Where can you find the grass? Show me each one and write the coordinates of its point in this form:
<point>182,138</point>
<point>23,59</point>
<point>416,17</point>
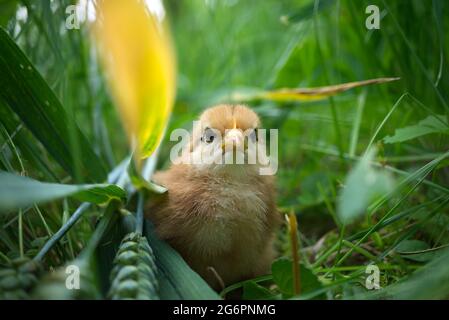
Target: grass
<point>226,47</point>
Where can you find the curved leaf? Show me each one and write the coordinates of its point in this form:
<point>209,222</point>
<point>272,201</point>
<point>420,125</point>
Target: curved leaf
<point>282,270</point>
<point>309,94</point>
<point>138,56</point>
<point>19,192</point>
<point>431,124</point>
<point>254,291</point>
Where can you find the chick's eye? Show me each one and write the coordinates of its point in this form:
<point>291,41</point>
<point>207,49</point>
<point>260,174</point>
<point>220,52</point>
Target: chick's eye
<point>208,136</point>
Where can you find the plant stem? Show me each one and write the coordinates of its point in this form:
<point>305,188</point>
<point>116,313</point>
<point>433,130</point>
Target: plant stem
<point>62,231</point>
<point>293,231</point>
<point>240,284</point>
<point>21,233</point>
<point>359,250</point>
<point>139,213</point>
<point>104,225</point>
<point>356,268</point>
<point>357,123</point>
<point>384,121</point>
<point>4,257</point>
<point>326,76</point>
<point>114,176</point>
<point>47,228</point>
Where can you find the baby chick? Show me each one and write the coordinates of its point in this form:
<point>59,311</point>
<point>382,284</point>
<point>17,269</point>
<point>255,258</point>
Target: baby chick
<point>221,218</point>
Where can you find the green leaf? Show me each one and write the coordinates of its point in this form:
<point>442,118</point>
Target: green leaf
<point>99,193</point>
<point>428,282</point>
<point>140,182</point>
<point>283,277</point>
<point>416,250</point>
<point>431,124</point>
<point>362,186</point>
<point>25,91</point>
<point>19,192</point>
<point>176,279</point>
<point>411,245</point>
<point>254,291</point>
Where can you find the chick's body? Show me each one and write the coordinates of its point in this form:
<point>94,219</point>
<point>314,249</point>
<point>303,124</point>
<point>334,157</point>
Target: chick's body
<point>220,217</point>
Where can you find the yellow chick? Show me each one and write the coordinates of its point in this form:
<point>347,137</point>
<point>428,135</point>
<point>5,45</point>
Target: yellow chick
<point>220,217</point>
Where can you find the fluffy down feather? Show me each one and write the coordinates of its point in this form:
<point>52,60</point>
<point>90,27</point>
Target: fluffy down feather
<point>221,218</point>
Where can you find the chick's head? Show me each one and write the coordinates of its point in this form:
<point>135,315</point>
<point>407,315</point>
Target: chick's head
<point>226,137</point>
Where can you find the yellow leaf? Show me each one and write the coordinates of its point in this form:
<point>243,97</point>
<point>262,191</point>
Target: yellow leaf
<point>310,94</point>
<point>136,51</point>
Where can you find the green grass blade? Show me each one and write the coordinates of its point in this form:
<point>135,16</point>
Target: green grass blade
<point>426,283</point>
<point>29,96</point>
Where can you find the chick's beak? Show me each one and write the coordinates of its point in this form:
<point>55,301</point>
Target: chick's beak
<point>234,138</point>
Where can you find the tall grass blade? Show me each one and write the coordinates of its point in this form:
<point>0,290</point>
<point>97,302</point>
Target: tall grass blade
<point>28,95</point>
